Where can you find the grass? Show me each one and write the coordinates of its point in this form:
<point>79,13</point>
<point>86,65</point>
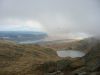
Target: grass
<point>17,59</point>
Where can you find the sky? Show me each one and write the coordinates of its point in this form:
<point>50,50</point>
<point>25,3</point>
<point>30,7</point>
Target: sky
<point>51,16</point>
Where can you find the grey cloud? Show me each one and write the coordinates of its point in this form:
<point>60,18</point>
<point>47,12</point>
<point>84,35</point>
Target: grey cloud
<point>57,16</point>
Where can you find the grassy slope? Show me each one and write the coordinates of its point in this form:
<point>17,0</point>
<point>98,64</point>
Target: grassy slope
<point>19,59</point>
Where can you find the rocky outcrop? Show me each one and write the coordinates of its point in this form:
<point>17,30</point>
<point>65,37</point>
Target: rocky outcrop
<point>92,62</point>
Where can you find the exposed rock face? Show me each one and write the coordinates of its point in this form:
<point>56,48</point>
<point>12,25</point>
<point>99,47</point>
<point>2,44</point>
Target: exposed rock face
<point>92,59</point>
<point>95,73</point>
<point>92,62</point>
<point>55,73</point>
<point>80,71</point>
<point>61,67</point>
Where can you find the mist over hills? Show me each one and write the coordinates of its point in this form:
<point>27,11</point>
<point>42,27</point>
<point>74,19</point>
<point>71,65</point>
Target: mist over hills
<point>21,36</point>
<point>49,37</point>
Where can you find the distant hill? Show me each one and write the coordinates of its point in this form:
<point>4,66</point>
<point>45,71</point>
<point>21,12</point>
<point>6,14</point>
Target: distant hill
<point>84,45</point>
<point>22,36</point>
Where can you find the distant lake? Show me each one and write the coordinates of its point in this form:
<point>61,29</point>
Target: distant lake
<point>70,53</point>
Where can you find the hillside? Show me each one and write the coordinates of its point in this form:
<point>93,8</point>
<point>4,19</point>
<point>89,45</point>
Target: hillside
<point>84,45</point>
<point>86,65</point>
<point>19,59</point>
<point>29,59</point>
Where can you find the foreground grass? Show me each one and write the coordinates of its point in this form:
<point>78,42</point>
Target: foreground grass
<point>18,59</point>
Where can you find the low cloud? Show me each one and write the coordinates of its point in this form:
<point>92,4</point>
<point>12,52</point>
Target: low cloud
<point>20,25</point>
<point>52,16</point>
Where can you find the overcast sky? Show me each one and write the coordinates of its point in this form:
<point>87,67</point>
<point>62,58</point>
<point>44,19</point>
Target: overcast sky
<point>52,16</point>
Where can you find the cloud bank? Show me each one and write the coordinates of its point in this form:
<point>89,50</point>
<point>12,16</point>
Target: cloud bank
<point>52,16</point>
